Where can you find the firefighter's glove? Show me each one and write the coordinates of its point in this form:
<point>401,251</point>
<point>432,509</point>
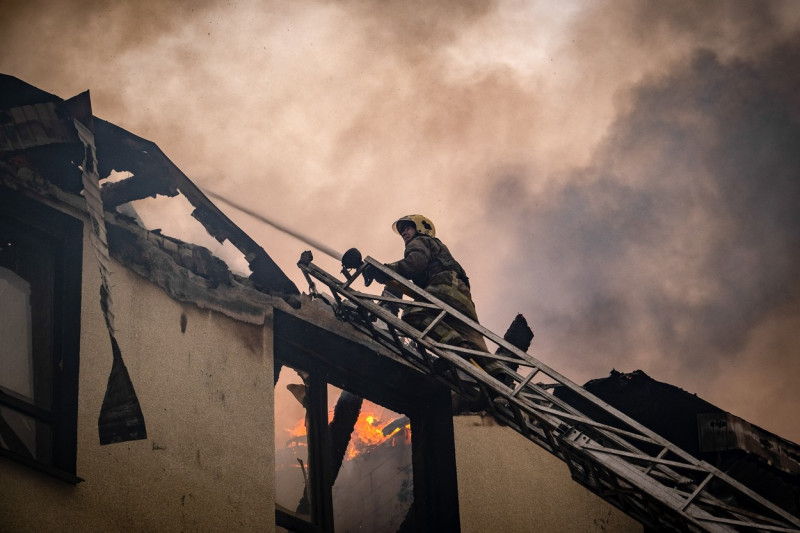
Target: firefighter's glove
<point>306,258</point>
<point>372,273</point>
<point>352,258</point>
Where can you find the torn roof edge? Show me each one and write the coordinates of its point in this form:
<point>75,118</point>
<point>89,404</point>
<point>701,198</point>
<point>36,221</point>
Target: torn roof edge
<point>154,173</point>
<point>189,273</point>
<point>118,150</point>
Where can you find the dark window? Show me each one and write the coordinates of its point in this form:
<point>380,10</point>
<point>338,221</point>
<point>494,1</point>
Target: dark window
<point>40,280</point>
<point>362,443</point>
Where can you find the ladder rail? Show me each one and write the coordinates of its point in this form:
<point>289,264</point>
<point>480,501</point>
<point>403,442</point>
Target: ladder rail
<point>567,411</point>
<point>526,360</point>
<point>607,451</point>
<point>575,388</point>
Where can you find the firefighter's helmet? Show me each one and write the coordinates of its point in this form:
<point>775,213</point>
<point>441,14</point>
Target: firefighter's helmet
<point>422,223</point>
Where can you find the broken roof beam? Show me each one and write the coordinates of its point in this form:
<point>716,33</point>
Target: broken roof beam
<point>122,151</point>
<point>154,173</point>
<point>134,188</point>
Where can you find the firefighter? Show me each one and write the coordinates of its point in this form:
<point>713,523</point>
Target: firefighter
<point>430,265</point>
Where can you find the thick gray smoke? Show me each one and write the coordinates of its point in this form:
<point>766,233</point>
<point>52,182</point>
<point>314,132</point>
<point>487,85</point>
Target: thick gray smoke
<point>677,249</point>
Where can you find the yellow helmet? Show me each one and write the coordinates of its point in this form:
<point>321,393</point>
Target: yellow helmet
<point>422,223</point>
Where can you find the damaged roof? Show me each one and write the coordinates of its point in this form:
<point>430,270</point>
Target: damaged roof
<point>761,460</point>
<point>39,147</point>
<point>39,156</point>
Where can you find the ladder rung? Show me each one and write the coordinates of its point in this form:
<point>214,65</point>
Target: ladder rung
<point>433,324</point>
<point>697,491</point>
<point>525,381</point>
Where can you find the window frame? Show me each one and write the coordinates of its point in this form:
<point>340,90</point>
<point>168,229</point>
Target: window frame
<point>332,359</point>
<point>64,236</point>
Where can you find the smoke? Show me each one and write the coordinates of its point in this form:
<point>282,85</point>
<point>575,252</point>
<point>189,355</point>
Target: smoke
<point>678,246</point>
<point>622,172</point>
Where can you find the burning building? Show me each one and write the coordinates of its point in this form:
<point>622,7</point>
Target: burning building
<point>144,386</point>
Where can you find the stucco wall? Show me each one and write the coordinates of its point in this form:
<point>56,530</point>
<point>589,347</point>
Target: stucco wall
<point>507,483</point>
<point>206,395</point>
<point>204,382</point>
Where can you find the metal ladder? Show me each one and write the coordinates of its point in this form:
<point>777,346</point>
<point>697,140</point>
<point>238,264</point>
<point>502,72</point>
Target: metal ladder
<point>623,462</point>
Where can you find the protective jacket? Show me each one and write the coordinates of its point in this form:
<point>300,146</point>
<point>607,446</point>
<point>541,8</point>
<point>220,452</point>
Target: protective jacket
<point>428,263</point>
<point>426,260</point>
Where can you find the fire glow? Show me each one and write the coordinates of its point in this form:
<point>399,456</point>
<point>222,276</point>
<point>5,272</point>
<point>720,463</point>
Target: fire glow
<point>367,434</point>
<point>299,430</point>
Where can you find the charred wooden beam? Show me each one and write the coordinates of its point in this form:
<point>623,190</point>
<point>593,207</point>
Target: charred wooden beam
<point>396,424</point>
<point>520,335</point>
<point>345,416</point>
<point>135,188</point>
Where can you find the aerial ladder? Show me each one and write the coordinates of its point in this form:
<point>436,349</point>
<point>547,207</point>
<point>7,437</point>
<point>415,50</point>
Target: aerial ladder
<point>623,462</point>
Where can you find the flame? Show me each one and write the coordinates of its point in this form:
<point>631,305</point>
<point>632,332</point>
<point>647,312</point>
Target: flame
<point>299,430</point>
<point>368,434</point>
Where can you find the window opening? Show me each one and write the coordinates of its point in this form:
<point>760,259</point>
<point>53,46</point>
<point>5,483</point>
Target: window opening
<point>374,488</point>
<point>292,482</point>
<point>16,357</point>
<point>343,455</point>
<point>332,371</point>
<point>26,309</point>
<point>40,280</point>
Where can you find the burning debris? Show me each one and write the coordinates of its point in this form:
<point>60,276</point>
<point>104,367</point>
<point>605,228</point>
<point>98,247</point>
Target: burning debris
<point>370,458</point>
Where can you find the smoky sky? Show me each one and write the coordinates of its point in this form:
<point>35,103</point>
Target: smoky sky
<point>624,173</point>
<point>681,239</point>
